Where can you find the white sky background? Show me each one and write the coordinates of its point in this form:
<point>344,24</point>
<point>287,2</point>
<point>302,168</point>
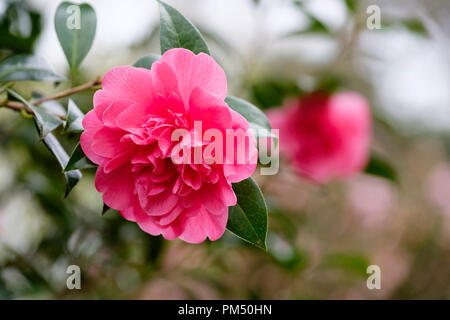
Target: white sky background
<point>411,73</point>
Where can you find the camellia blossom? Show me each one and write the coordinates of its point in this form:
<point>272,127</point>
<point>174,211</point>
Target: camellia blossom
<point>128,134</point>
<point>324,136</point>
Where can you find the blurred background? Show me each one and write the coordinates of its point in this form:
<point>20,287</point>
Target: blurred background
<point>321,237</point>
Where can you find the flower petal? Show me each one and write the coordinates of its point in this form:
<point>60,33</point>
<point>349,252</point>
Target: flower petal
<point>196,71</point>
<point>202,224</point>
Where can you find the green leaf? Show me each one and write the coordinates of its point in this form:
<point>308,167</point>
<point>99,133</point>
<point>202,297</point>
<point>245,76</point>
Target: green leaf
<point>75,26</point>
<point>45,121</point>
<point>72,177</point>
<point>248,218</point>
<point>146,61</point>
<point>3,94</point>
<point>350,262</point>
<point>105,209</point>
<point>413,25</point>
<point>78,160</point>
<point>179,32</point>
<point>257,120</point>
<point>379,167</point>
<point>74,118</point>
<point>273,92</point>
<point>352,5</point>
<point>315,25</point>
<point>51,106</point>
<point>24,67</point>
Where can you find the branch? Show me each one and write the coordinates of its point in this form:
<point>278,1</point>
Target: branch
<point>18,106</point>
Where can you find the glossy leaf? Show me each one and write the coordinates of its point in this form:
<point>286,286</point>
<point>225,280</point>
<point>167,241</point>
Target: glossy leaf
<point>179,32</point>
<point>78,160</point>
<point>248,218</point>
<point>75,26</point>
<point>74,118</point>
<point>51,106</point>
<point>72,177</point>
<point>45,121</point>
<point>146,61</point>
<point>24,67</point>
<point>257,120</point>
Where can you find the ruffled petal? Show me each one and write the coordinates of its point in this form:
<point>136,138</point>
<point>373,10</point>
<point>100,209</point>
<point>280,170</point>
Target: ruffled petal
<point>130,83</point>
<point>196,71</point>
<point>202,225</point>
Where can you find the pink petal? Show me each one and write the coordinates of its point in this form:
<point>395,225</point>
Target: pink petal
<point>161,204</point>
<point>202,225</point>
<point>107,142</point>
<point>117,187</point>
<point>166,85</point>
<point>130,83</point>
<point>196,71</point>
<point>91,125</point>
<point>150,225</point>
<point>118,160</point>
<point>111,113</point>
<point>209,110</point>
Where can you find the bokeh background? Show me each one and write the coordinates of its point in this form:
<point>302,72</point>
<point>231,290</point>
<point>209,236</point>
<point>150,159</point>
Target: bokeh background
<point>321,237</point>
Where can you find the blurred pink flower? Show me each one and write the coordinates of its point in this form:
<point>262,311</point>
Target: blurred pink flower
<point>129,135</point>
<point>325,136</point>
<point>371,199</point>
<point>437,187</point>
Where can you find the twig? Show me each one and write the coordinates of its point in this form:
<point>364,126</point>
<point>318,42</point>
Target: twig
<point>18,106</point>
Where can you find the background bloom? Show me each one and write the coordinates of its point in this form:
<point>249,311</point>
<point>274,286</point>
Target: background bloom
<point>128,134</point>
<point>325,136</point>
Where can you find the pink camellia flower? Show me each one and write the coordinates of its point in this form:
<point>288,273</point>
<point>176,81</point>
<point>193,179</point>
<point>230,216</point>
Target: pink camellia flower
<point>128,134</point>
<point>325,136</point>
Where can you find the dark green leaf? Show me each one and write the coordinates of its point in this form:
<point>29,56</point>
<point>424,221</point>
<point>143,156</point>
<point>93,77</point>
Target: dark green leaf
<point>146,61</point>
<point>105,208</point>
<point>45,121</point>
<point>379,167</point>
<point>78,160</point>
<point>23,67</point>
<point>75,36</point>
<point>74,118</point>
<point>273,92</point>
<point>72,177</point>
<point>20,26</point>
<point>256,118</point>
<point>330,84</point>
<point>248,218</point>
<point>179,32</point>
